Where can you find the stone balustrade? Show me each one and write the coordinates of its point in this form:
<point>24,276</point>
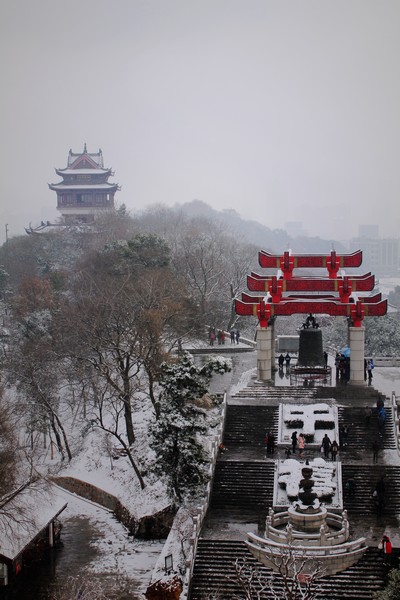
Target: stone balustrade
<point>202,509</point>
<point>276,521</point>
<point>333,559</point>
<point>395,406</point>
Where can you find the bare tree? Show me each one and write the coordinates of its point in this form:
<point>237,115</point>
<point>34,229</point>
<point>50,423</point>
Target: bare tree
<point>295,577</point>
<point>107,412</point>
<point>81,587</point>
<point>8,448</point>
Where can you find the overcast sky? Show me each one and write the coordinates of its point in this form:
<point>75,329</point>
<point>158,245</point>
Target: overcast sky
<point>284,110</point>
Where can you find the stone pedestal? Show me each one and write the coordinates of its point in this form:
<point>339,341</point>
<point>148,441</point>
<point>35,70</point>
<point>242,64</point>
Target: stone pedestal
<point>307,521</point>
<point>272,326</point>
<point>264,353</point>
<point>357,354</point>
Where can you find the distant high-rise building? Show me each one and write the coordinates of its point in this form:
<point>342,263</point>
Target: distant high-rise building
<point>84,191</point>
<point>380,255</point>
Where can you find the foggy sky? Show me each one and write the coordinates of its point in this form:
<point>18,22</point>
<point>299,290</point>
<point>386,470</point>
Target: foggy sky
<point>284,110</point>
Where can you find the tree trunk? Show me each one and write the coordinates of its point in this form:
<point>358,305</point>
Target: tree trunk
<point>128,420</point>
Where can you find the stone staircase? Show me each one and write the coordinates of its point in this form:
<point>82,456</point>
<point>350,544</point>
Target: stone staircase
<point>275,395</point>
<point>365,478</point>
<point>243,485</point>
<point>243,489</point>
<point>249,424</point>
<point>215,574</point>
<point>362,433</point>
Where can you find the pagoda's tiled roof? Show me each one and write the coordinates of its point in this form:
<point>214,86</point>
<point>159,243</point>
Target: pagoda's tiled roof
<point>96,157</point>
<point>81,186</point>
<point>78,171</point>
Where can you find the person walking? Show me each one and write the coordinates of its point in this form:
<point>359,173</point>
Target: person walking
<point>270,443</point>
<point>370,366</point>
<point>237,336</point>
<point>294,442</point>
<point>326,445</point>
<point>212,336</point>
<point>301,442</point>
<point>375,450</point>
<point>334,450</point>
<point>287,360</point>
<point>379,494</point>
<point>281,360</point>
<point>387,549</point>
<point>232,334</point>
<point>381,421</point>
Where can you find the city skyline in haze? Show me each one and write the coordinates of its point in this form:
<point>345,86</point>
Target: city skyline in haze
<point>284,111</point>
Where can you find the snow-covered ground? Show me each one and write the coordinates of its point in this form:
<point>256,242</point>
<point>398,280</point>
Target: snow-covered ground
<point>117,552</point>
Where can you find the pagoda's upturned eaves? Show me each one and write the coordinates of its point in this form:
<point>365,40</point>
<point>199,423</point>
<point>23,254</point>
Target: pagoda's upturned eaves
<point>84,171</point>
<point>76,186</point>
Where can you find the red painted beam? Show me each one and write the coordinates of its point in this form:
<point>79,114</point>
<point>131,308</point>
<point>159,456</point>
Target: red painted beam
<point>301,261</point>
<point>262,283</point>
<point>326,307</point>
<point>314,297</point>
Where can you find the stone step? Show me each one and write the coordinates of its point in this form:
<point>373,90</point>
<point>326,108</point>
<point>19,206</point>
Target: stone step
<point>243,484</point>
<point>365,478</point>
<point>214,573</point>
<point>362,433</point>
<point>249,424</point>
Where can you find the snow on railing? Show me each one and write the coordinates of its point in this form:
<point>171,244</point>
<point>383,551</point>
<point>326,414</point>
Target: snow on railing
<point>395,407</point>
<point>202,509</point>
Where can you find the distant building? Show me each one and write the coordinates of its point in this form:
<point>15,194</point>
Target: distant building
<point>380,255</point>
<point>84,191</point>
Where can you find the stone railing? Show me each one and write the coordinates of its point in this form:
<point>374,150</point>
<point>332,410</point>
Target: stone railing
<point>339,535</point>
<point>203,507</point>
<point>333,559</point>
<point>395,408</point>
<point>380,361</point>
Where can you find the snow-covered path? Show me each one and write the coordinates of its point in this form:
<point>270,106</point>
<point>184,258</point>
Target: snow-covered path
<point>115,551</point>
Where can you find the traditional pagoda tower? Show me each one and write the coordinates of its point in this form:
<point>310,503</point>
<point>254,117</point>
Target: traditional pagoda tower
<point>84,191</point>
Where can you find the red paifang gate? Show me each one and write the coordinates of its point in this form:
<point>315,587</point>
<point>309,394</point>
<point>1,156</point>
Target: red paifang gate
<point>345,303</point>
<point>334,294</point>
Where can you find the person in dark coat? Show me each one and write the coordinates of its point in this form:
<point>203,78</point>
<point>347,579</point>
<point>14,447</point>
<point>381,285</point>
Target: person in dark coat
<point>294,441</point>
<point>326,445</point>
<point>370,366</point>
<point>281,360</point>
<point>375,450</point>
<point>379,494</point>
<point>270,442</point>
